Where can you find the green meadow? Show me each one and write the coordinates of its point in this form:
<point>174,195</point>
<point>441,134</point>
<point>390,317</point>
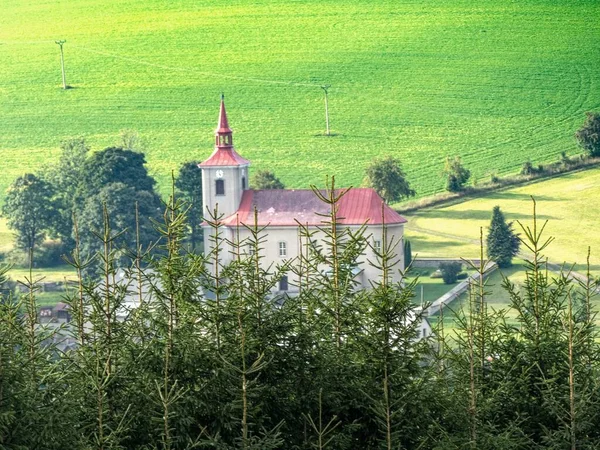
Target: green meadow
<point>496,82</point>
<point>567,204</point>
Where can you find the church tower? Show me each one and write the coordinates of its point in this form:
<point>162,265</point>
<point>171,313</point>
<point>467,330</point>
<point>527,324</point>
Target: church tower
<point>224,173</point>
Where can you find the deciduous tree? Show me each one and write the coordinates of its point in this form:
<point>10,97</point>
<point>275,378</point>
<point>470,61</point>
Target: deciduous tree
<point>263,179</point>
<point>30,210</point>
<point>588,136</point>
<point>388,179</point>
<point>457,175</point>
<point>120,201</point>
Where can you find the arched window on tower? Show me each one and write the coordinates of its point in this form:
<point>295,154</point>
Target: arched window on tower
<point>220,187</point>
<point>243,183</point>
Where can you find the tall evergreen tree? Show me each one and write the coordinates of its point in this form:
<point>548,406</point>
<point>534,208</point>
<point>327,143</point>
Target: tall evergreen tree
<point>502,242</point>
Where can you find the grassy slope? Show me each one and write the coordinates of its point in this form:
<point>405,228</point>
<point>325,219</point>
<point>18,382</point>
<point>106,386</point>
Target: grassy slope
<point>569,203</point>
<point>496,82</point>
<point>6,236</point>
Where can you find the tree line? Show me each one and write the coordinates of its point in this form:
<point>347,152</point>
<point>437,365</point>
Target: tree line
<point>211,358</point>
<point>49,210</point>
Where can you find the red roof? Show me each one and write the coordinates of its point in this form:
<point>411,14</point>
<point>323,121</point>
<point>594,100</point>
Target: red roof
<point>224,157</point>
<point>223,126</point>
<point>224,154</point>
<point>282,207</point>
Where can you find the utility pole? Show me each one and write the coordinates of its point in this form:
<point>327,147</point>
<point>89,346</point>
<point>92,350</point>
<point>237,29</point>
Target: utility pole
<point>62,62</point>
<point>325,87</point>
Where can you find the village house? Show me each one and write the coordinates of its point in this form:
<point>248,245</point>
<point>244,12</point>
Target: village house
<point>225,188</point>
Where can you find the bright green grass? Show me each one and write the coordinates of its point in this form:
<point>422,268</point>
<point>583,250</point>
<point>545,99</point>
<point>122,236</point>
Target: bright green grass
<point>426,245</point>
<point>428,290</point>
<point>49,298</point>
<point>569,203</point>
<point>6,236</point>
<point>497,297</point>
<point>45,275</point>
<point>495,82</point>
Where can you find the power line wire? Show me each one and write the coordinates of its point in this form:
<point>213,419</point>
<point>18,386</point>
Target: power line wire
<point>192,70</point>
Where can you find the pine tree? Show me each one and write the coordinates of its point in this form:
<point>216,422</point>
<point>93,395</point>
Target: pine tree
<point>502,241</point>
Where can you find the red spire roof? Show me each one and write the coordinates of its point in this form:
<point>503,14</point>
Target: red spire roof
<point>224,154</point>
<point>223,127</point>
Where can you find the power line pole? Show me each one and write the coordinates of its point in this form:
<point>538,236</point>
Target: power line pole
<point>62,62</point>
<point>325,87</point>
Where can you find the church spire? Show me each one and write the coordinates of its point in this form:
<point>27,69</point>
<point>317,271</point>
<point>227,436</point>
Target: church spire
<point>223,133</point>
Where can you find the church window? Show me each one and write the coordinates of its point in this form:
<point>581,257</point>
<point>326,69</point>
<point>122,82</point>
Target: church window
<point>251,249</point>
<point>377,246</point>
<point>282,249</point>
<point>243,183</point>
<point>283,283</point>
<point>220,187</point>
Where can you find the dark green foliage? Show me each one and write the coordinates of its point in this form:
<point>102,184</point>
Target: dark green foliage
<point>456,174</point>
<point>407,253</point>
<point>528,169</point>
<point>120,201</point>
<point>30,210</point>
<point>588,136</point>
<point>66,177</point>
<point>502,242</point>
<point>119,180</point>
<point>210,358</point>
<point>115,165</point>
<point>189,186</point>
<point>450,271</point>
<point>263,179</point>
<point>388,179</point>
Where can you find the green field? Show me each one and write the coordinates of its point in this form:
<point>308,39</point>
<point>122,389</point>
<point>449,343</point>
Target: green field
<point>496,82</point>
<point>569,203</point>
<point>427,289</point>
<point>6,236</point>
<point>497,297</point>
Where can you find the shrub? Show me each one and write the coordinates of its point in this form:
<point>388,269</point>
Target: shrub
<point>462,276</point>
<point>588,136</point>
<point>450,271</point>
<point>527,168</point>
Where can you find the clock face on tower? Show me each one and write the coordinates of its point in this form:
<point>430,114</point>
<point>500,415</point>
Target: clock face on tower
<point>219,174</point>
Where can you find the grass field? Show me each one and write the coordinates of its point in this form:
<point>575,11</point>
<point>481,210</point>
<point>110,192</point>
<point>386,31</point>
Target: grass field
<point>496,296</point>
<point>429,289</point>
<point>568,203</point>
<point>6,236</point>
<point>495,82</point>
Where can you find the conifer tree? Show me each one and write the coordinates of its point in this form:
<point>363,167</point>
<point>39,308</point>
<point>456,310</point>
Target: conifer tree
<point>502,242</point>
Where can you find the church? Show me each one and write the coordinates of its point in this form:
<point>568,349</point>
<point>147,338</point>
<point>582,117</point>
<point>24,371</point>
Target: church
<point>225,187</point>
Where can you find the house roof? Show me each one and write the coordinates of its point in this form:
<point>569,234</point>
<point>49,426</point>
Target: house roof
<point>224,157</point>
<point>283,207</point>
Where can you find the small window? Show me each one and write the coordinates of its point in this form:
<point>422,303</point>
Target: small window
<point>243,183</point>
<point>283,283</point>
<point>251,249</point>
<point>282,249</point>
<point>220,187</point>
<point>377,246</point>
